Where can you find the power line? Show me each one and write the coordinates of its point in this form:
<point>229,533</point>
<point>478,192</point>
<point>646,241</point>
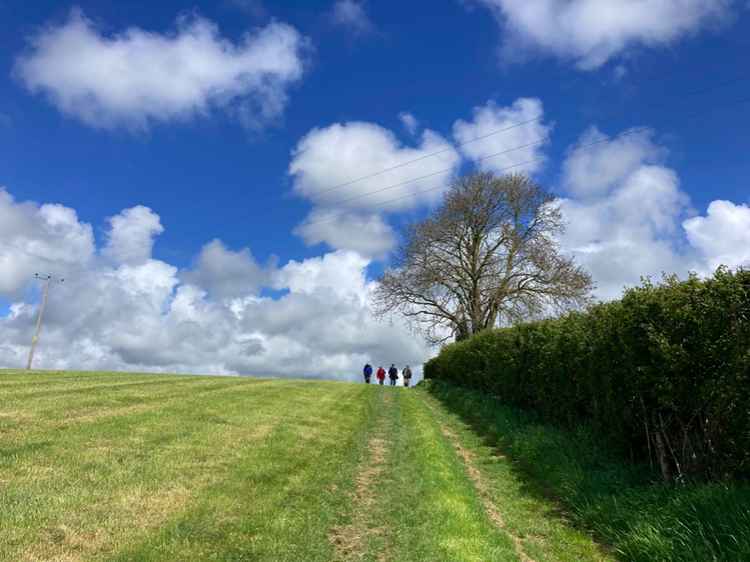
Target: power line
<point>431,154</point>
<point>499,170</point>
<point>444,171</point>
<point>625,133</point>
<point>515,125</point>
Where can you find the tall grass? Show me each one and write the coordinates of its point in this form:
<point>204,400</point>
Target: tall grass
<point>640,519</point>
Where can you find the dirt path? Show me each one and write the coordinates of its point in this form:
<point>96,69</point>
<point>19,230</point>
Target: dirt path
<point>350,541</point>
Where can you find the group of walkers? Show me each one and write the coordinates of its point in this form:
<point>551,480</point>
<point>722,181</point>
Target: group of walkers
<point>392,374</point>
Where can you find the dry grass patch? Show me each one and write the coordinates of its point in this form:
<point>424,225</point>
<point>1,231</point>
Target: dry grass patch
<point>135,511</point>
<point>350,540</point>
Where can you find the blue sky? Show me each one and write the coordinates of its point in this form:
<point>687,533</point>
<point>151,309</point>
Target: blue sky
<point>214,165</point>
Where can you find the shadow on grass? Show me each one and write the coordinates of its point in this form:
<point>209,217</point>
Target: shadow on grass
<point>621,504</point>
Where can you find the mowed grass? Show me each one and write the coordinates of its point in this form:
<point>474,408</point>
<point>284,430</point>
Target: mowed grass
<point>103,466</point>
<point>144,467</point>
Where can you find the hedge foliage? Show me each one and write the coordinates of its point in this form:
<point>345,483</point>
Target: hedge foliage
<point>663,373</point>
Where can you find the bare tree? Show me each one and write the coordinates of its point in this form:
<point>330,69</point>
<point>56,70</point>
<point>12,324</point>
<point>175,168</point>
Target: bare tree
<point>487,255</point>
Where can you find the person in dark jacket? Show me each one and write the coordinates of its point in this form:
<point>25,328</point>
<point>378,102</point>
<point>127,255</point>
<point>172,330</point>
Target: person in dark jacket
<point>367,372</point>
<point>393,374</point>
<point>406,373</point>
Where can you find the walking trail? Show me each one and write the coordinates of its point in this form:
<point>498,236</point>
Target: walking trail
<point>424,490</point>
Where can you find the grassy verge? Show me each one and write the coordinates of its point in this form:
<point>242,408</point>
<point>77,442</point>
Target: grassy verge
<point>640,520</point>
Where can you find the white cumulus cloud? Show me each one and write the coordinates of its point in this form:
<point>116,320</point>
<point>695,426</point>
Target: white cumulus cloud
<point>339,166</point>
<point>627,217</point>
<point>40,239</point>
<point>137,77</point>
<point>628,232</point>
<point>590,32</point>
<point>367,234</point>
<point>131,235</point>
<point>505,139</point>
<point>120,308</point>
<point>355,173</point>
<point>597,164</point>
<point>225,273</point>
<point>723,235</point>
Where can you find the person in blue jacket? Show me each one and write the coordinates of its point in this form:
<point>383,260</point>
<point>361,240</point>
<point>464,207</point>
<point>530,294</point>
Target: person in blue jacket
<point>367,372</point>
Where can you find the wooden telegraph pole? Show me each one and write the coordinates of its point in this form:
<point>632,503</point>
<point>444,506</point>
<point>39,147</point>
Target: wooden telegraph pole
<point>47,280</point>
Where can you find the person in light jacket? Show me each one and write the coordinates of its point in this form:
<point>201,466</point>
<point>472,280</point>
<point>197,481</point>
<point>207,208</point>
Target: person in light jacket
<point>406,373</point>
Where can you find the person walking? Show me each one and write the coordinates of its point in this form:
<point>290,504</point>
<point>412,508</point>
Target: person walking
<point>393,374</point>
<point>367,372</point>
<point>407,376</point>
<point>380,375</point>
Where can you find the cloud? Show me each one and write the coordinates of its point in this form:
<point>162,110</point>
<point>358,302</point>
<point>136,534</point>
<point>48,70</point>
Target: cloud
<point>351,14</point>
<point>590,32</point>
<point>628,232</point>
<point>505,139</point>
<point>39,239</point>
<point>131,235</point>
<point>723,235</point>
<point>410,123</point>
<point>628,218</point>
<point>122,309</point>
<point>328,157</point>
<point>228,274</point>
<point>601,163</point>
<point>137,77</point>
<point>340,273</point>
<point>355,172</point>
<point>366,234</point>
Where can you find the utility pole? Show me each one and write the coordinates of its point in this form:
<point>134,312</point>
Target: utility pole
<point>47,280</point>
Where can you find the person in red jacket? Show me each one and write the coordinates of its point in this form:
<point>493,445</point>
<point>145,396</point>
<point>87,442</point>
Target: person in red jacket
<point>381,375</point>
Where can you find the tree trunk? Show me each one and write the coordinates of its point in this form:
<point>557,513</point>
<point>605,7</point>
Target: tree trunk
<point>661,455</point>
<point>462,332</point>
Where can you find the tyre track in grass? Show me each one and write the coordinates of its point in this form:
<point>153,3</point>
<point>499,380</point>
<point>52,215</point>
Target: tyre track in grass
<point>535,524</point>
<point>493,512</point>
<point>489,505</point>
<point>351,541</point>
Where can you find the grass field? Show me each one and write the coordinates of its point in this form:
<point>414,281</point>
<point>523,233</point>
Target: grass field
<point>97,466</point>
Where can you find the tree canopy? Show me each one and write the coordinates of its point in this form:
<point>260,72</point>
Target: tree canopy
<point>489,254</point>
